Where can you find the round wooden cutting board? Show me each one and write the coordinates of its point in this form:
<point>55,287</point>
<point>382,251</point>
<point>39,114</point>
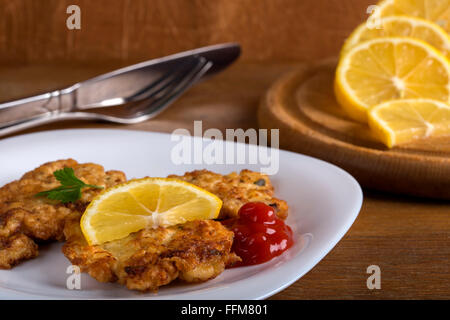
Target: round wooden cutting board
<point>302,105</point>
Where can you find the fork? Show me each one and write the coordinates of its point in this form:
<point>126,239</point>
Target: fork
<point>135,107</point>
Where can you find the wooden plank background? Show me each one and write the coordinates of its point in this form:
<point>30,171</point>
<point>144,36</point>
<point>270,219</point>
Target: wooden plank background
<point>34,31</point>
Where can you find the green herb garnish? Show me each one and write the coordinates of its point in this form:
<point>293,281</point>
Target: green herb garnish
<point>70,188</point>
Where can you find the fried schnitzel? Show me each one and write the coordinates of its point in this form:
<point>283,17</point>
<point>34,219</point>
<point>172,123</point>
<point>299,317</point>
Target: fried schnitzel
<point>145,260</point>
<point>194,251</point>
<point>26,219</point>
<point>235,190</point>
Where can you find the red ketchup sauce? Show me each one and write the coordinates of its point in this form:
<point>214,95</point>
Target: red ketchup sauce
<point>259,235</point>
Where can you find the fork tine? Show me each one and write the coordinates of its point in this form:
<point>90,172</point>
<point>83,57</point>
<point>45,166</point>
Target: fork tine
<point>181,73</point>
<point>163,81</point>
<point>188,80</point>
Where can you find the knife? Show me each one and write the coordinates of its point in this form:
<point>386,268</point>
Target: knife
<point>120,87</point>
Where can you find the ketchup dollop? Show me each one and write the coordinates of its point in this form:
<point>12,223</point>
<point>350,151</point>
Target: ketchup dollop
<point>259,235</point>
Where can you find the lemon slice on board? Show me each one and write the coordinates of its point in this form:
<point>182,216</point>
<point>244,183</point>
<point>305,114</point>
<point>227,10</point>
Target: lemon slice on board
<point>385,69</point>
<point>148,202</point>
<point>401,26</point>
<point>437,11</point>
<point>400,121</point>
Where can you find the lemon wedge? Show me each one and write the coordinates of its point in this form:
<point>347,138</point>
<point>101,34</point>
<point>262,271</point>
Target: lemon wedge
<point>148,202</point>
<point>401,26</point>
<point>388,68</point>
<point>437,11</point>
<point>400,121</point>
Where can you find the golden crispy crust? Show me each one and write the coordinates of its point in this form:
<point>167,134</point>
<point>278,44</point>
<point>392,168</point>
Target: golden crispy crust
<point>25,218</point>
<point>16,248</point>
<point>150,258</point>
<point>235,190</point>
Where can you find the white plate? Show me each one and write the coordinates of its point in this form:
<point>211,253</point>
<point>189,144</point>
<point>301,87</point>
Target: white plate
<point>323,199</point>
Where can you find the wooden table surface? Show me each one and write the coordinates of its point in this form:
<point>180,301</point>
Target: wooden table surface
<point>408,238</point>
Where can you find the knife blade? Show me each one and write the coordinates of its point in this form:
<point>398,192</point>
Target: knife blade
<point>110,88</point>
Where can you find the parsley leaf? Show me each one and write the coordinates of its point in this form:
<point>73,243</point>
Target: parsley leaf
<point>70,188</point>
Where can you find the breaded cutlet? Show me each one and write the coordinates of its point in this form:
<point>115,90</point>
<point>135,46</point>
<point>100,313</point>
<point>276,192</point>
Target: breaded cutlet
<point>235,190</point>
<point>150,258</point>
<point>26,220</point>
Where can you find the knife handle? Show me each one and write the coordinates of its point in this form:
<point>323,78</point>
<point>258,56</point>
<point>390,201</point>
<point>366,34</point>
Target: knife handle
<point>32,111</point>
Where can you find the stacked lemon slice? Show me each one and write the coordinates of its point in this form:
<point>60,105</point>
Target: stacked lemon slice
<point>394,72</point>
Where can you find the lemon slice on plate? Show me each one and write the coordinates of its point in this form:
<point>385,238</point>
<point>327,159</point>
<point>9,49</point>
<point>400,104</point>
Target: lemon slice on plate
<point>148,202</point>
<point>401,26</point>
<point>399,121</point>
<point>385,69</point>
<point>437,11</point>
